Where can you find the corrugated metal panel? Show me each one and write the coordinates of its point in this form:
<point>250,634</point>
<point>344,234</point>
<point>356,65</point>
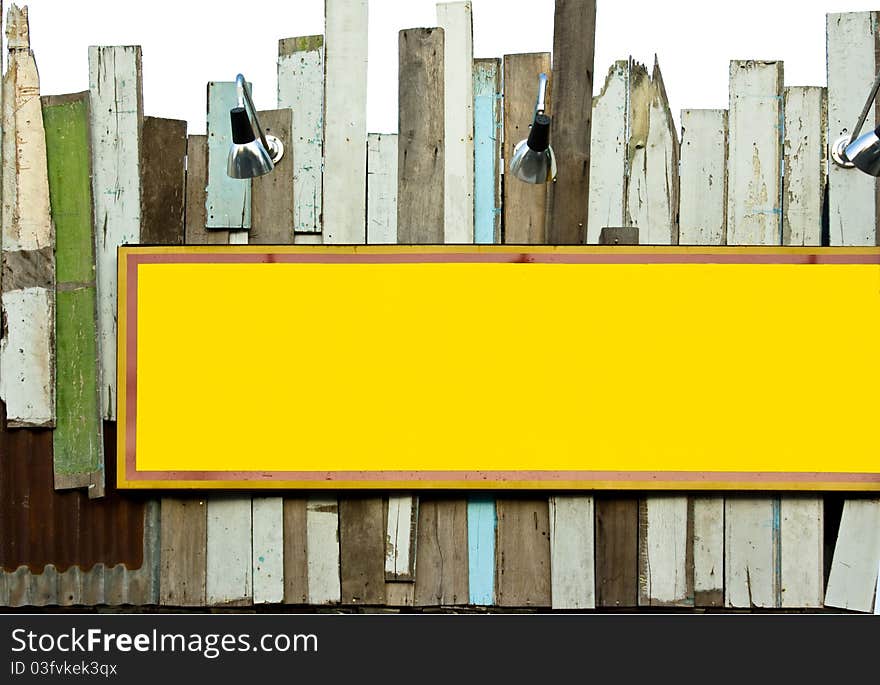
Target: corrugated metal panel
<point>61,547</point>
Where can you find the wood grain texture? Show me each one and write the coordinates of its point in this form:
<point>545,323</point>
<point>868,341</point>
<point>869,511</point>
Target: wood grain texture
<point>487,151</point>
<point>804,146</point>
<point>666,565</point>
<point>482,528</point>
<point>421,146</point>
<point>801,543</point>
<point>382,188</point>
<point>78,449</point>
<point>183,552</point>
<point>116,98</point>
<point>322,533</point>
<point>401,525</point>
<point>617,560</point>
<point>229,578</point>
<point>268,549</point>
<point>345,120</point>
<point>523,553</point>
<point>272,202</point>
<point>442,564</point>
<point>751,552</point>
<point>703,202</point>
<point>296,567</point>
<point>301,88</point>
<point>362,550</point>
<point>572,561</point>
<point>853,579</point>
<point>708,551</point>
<point>852,49</point>
<point>196,182</point>
<point>607,200</point>
<point>525,205</point>
<point>754,199</point>
<point>456,20</point>
<point>163,181</point>
<point>27,353</point>
<point>574,41</point>
<point>227,200</point>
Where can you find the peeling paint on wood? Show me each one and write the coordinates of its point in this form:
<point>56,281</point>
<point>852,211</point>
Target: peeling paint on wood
<point>572,562</point>
<point>322,530</point>
<point>804,179</point>
<point>703,204</point>
<point>229,578</point>
<point>400,538</point>
<point>382,188</point>
<point>487,151</point>
<point>666,552</point>
<point>708,551</point>
<point>228,200</point>
<point>268,550</point>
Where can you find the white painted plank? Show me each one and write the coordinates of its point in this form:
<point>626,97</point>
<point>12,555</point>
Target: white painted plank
<point>116,113</point>
<point>664,573</point>
<point>852,583</point>
<point>301,87</point>
<point>754,210</point>
<point>801,542</point>
<point>608,154</point>
<point>227,200</point>
<point>400,540</point>
<point>852,67</point>
<point>27,352</point>
<point>750,555</point>
<point>229,558</point>
<point>804,179</point>
<point>652,188</point>
<point>703,204</point>
<point>307,239</point>
<point>382,189</point>
<point>456,20</point>
<point>572,565</point>
<point>708,551</point>
<point>322,545</point>
<point>345,121</point>
<point>268,550</point>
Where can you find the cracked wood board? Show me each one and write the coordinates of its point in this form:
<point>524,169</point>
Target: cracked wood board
<point>703,202</point>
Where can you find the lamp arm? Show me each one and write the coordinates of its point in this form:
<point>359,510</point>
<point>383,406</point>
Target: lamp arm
<point>244,95</point>
<point>541,104</point>
<point>871,97</point>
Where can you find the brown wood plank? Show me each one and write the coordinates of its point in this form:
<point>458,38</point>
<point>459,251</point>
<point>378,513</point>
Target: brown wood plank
<point>421,169</point>
<point>163,181</point>
<point>272,194</point>
<point>184,535</point>
<point>524,204</point>
<point>574,39</point>
<point>196,183</point>
<point>522,575</point>
<point>617,547</point>
<point>362,550</point>
<point>442,559</point>
<point>296,562</point>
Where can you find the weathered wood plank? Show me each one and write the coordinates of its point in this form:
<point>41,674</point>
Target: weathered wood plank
<point>751,554</point>
<point>272,205</point>
<point>227,200</point>
<point>754,209</point>
<point>708,551</point>
<point>27,353</point>
<point>525,205</point>
<point>487,151</point>
<point>196,182</point>
<point>345,120</point>
<point>441,565</point>
<point>523,553</point>
<point>421,146</point>
<point>116,111</point>
<point>666,568</point>
<point>362,550</point>
<point>853,44</point>
<point>653,185</point>
<point>608,152</point>
<point>801,542</point>
<point>574,41</point>
<point>163,181</point>
<point>296,568</point>
<point>229,577</point>
<point>382,188</point>
<point>78,450</point>
<point>482,526</point>
<point>617,559</point>
<point>400,538</point>
<point>183,552</point>
<point>703,203</point>
<point>572,563</point>
<point>804,180</point>
<point>456,20</point>
<point>853,579</point>
<point>301,87</point>
<point>268,549</point>
<point>322,531</point>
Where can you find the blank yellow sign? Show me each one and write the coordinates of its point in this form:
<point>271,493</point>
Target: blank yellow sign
<point>556,368</point>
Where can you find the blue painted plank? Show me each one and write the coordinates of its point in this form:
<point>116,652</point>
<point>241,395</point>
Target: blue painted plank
<point>487,127</point>
<point>481,550</point>
<point>228,200</point>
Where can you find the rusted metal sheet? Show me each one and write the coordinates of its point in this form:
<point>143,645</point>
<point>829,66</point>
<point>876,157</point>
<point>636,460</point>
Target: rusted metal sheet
<point>62,548</point>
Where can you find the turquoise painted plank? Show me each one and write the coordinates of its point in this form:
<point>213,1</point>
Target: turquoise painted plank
<point>487,127</point>
<point>228,200</point>
<point>481,550</point>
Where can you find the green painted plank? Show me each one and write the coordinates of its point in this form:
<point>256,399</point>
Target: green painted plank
<point>78,441</point>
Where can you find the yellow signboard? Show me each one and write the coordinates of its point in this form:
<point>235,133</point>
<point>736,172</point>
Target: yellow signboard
<point>499,368</point>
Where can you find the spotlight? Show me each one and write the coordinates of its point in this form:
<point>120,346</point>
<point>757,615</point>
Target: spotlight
<point>860,152</point>
<point>533,159</point>
<point>249,156</point>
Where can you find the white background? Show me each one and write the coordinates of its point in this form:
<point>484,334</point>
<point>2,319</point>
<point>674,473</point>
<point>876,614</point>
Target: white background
<point>186,43</point>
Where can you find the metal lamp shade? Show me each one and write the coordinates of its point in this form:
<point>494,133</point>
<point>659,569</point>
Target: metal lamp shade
<point>533,159</point>
<point>248,160</point>
<point>864,152</point>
